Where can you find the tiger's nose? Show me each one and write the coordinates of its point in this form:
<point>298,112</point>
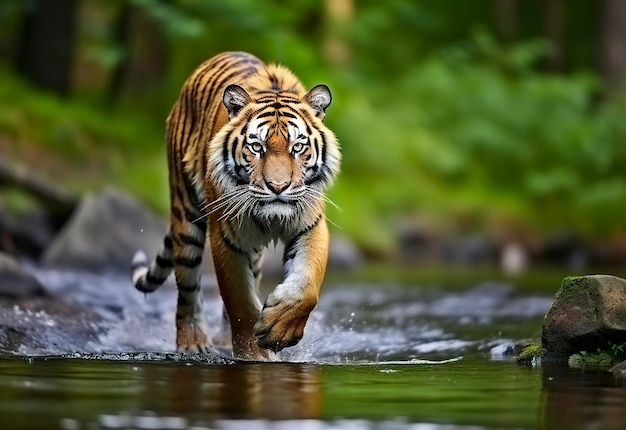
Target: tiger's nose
<point>277,187</point>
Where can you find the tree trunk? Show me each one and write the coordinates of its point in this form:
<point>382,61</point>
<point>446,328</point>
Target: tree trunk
<point>612,50</point>
<point>121,36</point>
<point>144,57</point>
<point>506,16</point>
<point>46,43</point>
<point>554,29</point>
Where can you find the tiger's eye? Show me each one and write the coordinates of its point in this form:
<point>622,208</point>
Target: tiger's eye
<point>256,147</point>
<point>297,147</point>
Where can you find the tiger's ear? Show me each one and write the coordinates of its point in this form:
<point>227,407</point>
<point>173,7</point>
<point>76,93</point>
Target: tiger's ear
<point>319,98</point>
<point>235,98</point>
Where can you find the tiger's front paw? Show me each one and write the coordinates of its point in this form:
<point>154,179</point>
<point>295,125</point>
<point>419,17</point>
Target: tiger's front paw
<point>282,320</point>
<point>253,352</point>
<point>191,336</point>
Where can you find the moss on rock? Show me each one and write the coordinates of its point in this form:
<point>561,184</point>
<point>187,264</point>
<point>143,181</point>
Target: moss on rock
<point>602,358</point>
<point>599,360</point>
<point>530,354</point>
<point>569,285</point>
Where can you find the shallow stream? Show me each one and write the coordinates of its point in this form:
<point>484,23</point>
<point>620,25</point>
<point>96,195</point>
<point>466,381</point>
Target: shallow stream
<point>373,357</point>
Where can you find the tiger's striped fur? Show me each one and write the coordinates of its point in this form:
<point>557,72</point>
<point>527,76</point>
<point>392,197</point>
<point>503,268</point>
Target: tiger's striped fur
<point>249,159</point>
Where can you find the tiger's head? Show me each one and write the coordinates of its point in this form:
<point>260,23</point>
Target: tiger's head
<point>275,157</point>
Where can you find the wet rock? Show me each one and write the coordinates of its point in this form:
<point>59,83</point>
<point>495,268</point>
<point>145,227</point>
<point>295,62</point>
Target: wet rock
<point>104,232</point>
<point>16,282</point>
<point>588,313</point>
<point>45,326</point>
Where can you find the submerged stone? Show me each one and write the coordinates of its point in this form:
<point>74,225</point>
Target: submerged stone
<point>588,314</point>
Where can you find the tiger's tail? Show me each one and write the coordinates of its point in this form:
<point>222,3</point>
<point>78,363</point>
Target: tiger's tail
<point>147,278</point>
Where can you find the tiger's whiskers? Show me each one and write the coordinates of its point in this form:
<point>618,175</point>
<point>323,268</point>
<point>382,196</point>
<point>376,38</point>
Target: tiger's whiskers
<point>228,200</point>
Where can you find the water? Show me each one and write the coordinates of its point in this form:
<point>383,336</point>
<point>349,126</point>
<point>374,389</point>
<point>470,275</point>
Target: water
<point>467,393</point>
<point>373,357</point>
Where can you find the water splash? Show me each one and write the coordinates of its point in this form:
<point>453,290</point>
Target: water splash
<point>362,323</point>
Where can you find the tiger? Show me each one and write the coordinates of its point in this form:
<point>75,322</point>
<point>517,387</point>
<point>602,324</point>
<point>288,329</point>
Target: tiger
<point>250,159</point>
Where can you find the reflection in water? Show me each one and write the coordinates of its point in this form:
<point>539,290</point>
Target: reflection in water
<point>575,399</point>
<point>77,394</point>
<point>275,391</point>
<point>463,393</point>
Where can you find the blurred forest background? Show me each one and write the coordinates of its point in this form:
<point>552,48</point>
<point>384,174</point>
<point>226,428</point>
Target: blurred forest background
<point>497,121</point>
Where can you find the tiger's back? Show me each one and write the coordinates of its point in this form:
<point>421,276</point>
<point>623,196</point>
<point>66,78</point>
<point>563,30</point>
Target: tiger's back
<point>199,112</point>
<point>249,158</point>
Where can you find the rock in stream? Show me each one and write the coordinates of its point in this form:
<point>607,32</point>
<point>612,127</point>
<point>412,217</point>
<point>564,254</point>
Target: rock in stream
<point>588,313</point>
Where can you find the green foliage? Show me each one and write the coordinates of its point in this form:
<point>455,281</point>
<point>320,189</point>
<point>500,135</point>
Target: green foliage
<point>98,145</point>
<point>437,119</point>
<point>73,127</point>
<point>602,358</point>
<point>594,360</point>
<point>473,129</point>
<point>176,22</point>
<point>617,351</point>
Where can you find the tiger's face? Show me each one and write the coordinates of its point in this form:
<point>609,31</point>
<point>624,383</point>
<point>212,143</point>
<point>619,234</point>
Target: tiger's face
<point>275,157</point>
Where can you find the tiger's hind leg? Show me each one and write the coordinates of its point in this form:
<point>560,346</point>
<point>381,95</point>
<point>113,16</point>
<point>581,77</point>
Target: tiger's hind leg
<point>188,239</point>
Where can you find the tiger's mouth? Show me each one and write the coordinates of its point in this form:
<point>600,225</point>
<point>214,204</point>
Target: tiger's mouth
<point>278,201</point>
<point>276,209</point>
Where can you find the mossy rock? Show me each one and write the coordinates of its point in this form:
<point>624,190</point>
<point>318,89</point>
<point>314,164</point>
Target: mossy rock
<point>588,314</point>
<point>530,354</point>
